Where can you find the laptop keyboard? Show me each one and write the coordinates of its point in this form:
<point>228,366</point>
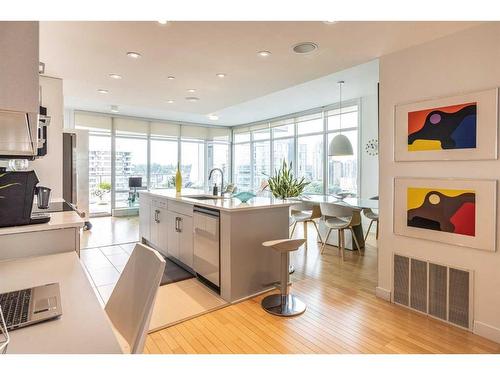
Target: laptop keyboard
<point>15,307</point>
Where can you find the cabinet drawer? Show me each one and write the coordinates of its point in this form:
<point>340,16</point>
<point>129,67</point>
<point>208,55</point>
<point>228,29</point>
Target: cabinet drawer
<point>160,203</point>
<point>181,208</point>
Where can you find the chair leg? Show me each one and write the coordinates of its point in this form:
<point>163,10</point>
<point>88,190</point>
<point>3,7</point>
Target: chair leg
<point>368,231</point>
<point>293,229</point>
<point>355,239</point>
<point>342,243</point>
<point>326,240</point>
<point>376,233</point>
<point>317,231</point>
<point>305,235</point>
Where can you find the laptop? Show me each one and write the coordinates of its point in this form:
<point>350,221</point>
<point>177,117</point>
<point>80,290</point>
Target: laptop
<point>24,307</point>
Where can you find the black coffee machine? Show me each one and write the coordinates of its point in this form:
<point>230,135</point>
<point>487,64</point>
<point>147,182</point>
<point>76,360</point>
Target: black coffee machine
<point>17,190</point>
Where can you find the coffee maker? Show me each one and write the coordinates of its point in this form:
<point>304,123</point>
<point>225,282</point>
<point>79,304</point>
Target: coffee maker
<point>17,191</point>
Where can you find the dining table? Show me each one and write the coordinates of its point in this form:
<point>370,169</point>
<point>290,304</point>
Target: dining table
<point>355,202</point>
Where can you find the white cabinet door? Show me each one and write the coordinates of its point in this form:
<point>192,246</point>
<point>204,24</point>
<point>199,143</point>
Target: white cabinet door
<point>186,239</point>
<point>162,230</point>
<point>172,236</point>
<point>145,218</point>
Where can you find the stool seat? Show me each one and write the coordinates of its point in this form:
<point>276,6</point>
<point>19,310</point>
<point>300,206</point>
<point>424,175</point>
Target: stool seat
<point>285,245</point>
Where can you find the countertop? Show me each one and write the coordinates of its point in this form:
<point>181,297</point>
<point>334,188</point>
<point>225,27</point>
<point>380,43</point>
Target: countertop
<point>82,328</point>
<point>226,204</point>
<point>58,220</point>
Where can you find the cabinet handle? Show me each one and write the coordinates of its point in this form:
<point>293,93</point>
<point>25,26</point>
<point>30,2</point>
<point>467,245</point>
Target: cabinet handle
<point>180,222</point>
<point>157,219</point>
<point>176,224</point>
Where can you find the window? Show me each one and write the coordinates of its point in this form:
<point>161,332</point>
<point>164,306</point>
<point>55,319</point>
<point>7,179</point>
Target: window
<point>242,168</point>
<point>100,172</point>
<point>163,164</point>
<point>218,157</point>
<point>283,149</point>
<point>193,164</point>
<point>261,163</point>
<point>310,156</point>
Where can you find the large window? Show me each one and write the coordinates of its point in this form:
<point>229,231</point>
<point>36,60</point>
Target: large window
<point>260,149</point>
<point>124,147</point>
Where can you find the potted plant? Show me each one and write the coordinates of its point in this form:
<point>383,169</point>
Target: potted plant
<point>284,184</point>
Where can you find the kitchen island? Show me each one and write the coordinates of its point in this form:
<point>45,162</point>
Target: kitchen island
<point>219,239</point>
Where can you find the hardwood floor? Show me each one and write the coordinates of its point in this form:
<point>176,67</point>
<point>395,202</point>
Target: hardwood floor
<point>343,316</point>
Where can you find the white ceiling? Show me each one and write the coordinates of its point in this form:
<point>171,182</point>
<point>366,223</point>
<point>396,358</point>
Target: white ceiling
<point>84,53</point>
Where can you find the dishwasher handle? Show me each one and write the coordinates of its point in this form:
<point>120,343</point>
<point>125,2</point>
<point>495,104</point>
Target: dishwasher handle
<point>206,211</point>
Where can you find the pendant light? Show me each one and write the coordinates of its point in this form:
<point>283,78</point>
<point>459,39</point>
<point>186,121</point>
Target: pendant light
<point>340,144</point>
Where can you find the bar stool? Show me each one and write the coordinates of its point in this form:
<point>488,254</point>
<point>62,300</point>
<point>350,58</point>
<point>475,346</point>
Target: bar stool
<point>284,304</point>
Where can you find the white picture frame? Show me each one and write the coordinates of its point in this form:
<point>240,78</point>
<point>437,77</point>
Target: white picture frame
<point>485,211</point>
<point>486,128</point>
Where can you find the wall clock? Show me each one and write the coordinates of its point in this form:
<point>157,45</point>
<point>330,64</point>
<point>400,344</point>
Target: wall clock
<point>371,147</point>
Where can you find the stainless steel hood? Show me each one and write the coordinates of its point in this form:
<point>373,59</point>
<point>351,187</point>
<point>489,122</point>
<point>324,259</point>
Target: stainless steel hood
<point>18,135</point>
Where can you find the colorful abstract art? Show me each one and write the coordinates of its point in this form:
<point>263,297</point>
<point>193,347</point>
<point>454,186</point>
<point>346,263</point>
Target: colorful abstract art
<point>445,210</point>
<point>443,128</point>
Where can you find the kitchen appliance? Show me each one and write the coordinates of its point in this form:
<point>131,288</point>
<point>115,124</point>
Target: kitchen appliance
<point>23,135</point>
<point>17,190</point>
<point>206,259</point>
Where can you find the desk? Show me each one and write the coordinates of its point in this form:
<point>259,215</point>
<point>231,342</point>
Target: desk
<point>83,327</point>
<point>353,202</point>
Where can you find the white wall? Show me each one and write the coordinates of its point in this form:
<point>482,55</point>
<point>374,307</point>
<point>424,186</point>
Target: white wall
<point>369,130</point>
<point>462,62</point>
<point>49,167</point>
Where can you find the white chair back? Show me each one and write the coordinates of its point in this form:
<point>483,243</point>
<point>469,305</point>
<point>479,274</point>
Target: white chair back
<point>131,304</point>
<point>341,211</point>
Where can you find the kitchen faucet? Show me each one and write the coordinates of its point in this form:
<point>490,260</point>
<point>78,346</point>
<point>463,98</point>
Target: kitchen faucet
<point>222,179</point>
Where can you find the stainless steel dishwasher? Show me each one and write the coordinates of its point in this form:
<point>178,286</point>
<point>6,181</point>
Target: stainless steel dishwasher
<point>206,259</point>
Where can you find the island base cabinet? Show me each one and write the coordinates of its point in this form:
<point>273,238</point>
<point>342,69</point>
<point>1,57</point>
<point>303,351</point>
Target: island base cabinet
<point>180,237</point>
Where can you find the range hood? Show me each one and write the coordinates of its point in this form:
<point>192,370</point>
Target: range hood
<point>18,135</point>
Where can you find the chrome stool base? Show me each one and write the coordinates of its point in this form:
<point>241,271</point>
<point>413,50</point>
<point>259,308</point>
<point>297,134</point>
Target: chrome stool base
<point>287,305</point>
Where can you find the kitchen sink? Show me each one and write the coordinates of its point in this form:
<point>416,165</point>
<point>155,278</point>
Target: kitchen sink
<point>204,197</point>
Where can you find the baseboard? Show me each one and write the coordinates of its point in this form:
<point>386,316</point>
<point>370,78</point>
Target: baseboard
<point>487,331</point>
<point>383,293</point>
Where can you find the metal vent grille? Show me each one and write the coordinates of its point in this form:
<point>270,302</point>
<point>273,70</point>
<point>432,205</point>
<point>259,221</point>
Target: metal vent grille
<point>401,279</point>
<point>458,308</point>
<point>437,290</point>
<point>418,285</point>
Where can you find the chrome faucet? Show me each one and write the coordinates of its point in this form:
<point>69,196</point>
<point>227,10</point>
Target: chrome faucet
<point>222,177</point>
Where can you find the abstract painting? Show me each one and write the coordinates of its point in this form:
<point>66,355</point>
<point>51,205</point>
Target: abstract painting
<point>443,128</point>
<point>461,127</point>
<point>445,210</point>
<point>453,211</point>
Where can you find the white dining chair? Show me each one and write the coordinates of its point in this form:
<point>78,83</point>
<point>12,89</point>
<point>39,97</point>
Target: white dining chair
<point>131,304</point>
<point>340,217</point>
<point>373,217</point>
<point>305,213</point>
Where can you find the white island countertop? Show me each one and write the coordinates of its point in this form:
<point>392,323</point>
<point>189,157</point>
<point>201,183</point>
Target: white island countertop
<point>226,204</point>
<point>58,220</point>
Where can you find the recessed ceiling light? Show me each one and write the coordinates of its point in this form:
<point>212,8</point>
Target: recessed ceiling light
<point>192,99</point>
<point>170,101</point>
<point>115,76</point>
<point>191,90</point>
<point>221,75</point>
<point>170,77</point>
<point>134,55</point>
<point>305,47</point>
<point>102,91</point>
<point>162,22</point>
<point>329,22</point>
<point>213,117</point>
<point>264,53</point>
<point>114,108</point>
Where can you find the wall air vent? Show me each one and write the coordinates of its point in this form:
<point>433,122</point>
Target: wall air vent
<point>441,291</point>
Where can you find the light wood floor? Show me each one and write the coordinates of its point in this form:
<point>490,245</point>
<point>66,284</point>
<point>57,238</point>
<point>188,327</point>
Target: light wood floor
<point>343,316</point>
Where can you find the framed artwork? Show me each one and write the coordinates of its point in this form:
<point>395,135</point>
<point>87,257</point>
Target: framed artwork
<point>462,127</point>
<point>454,211</point>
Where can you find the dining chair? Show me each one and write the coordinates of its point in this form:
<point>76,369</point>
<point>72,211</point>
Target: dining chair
<point>131,304</point>
<point>373,217</point>
<point>305,213</point>
<point>340,217</point>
